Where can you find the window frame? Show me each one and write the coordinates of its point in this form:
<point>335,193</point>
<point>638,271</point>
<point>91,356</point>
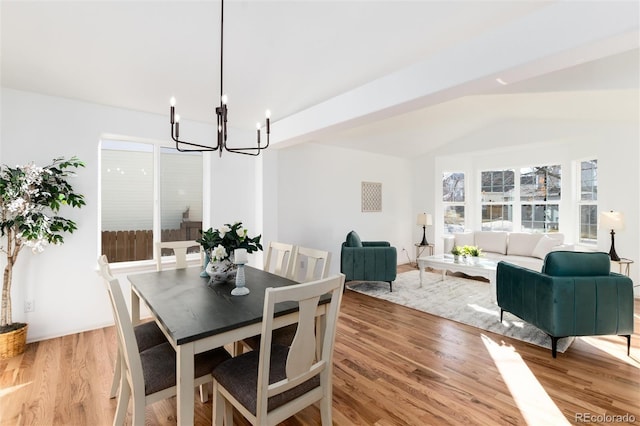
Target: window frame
<point>446,205</point>
<point>157,146</point>
<point>506,201</point>
<point>592,203</point>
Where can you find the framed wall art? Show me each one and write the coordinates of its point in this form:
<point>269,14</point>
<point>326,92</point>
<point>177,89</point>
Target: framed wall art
<point>371,196</point>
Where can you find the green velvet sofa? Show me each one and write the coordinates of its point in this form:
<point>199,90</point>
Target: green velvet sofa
<point>368,260</point>
<point>574,295</point>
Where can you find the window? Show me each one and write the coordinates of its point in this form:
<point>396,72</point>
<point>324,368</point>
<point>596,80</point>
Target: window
<point>539,194</point>
<point>130,172</point>
<point>453,200</point>
<point>497,196</point>
<point>587,201</point>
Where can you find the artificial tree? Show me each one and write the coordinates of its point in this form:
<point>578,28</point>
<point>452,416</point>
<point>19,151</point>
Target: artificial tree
<point>30,198</point>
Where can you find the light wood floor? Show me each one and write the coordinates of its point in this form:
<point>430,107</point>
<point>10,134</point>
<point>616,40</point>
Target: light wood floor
<point>393,366</point>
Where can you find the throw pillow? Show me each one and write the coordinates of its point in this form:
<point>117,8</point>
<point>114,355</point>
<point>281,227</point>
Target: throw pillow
<point>522,244</point>
<point>353,239</point>
<point>544,246</point>
<point>492,241</point>
<point>463,239</point>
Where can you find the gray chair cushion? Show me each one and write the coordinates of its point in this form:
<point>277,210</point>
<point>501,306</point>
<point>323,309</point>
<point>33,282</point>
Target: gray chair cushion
<point>280,336</point>
<point>148,335</point>
<point>239,376</point>
<point>159,366</point>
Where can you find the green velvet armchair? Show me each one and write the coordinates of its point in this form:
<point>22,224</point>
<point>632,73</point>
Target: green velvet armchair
<point>574,295</point>
<point>368,260</point>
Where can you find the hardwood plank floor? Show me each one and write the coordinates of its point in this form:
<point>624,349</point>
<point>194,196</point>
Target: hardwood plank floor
<point>393,366</point>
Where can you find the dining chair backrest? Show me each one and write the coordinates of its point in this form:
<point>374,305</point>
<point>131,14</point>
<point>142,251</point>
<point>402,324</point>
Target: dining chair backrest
<point>287,378</point>
<point>124,330</point>
<point>179,250</point>
<point>279,258</point>
<point>157,363</point>
<point>317,264</point>
<point>304,360</point>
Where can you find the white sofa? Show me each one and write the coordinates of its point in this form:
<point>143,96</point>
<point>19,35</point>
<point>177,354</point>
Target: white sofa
<point>523,249</point>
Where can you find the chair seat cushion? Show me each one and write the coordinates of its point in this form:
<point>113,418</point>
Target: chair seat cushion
<point>159,366</point>
<point>239,376</point>
<point>281,336</point>
<point>148,335</point>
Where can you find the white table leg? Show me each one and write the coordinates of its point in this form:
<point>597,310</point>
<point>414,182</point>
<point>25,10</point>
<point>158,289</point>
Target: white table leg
<point>135,308</point>
<point>185,371</point>
<point>421,268</point>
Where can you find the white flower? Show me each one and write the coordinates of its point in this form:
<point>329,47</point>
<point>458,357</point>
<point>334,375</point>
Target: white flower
<point>223,230</point>
<point>219,252</point>
<point>241,232</point>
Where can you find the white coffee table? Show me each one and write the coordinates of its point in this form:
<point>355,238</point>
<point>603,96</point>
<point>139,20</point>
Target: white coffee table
<point>484,268</point>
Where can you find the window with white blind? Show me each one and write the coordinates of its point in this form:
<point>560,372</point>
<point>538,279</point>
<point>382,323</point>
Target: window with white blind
<point>130,172</point>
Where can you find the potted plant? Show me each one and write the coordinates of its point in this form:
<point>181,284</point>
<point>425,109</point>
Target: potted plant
<point>30,198</point>
<point>472,252</point>
<point>456,251</point>
<point>219,245</point>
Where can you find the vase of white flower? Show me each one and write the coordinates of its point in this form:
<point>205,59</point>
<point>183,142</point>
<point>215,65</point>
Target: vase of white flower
<point>220,244</point>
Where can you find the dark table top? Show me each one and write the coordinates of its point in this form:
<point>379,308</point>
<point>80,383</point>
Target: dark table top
<point>190,309</point>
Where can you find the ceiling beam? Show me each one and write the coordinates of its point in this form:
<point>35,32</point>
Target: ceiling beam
<point>561,35</point>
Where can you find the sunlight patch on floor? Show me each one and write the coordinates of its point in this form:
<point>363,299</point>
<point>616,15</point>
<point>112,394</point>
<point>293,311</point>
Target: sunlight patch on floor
<point>6,391</point>
<point>478,308</point>
<point>614,349</point>
<point>534,403</point>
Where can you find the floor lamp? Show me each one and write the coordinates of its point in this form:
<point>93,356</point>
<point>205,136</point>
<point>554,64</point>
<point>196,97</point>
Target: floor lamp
<point>424,220</point>
<point>615,222</point>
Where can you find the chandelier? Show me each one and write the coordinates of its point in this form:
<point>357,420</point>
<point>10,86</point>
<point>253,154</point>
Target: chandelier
<point>222,115</point>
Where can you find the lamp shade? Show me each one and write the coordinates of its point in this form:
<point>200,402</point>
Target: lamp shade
<point>425,219</point>
<point>612,220</point>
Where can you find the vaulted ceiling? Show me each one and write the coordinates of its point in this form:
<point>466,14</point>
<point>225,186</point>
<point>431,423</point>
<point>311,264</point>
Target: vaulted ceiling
<point>294,56</point>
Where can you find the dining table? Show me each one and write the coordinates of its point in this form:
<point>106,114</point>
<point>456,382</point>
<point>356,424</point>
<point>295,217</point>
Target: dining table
<point>197,316</point>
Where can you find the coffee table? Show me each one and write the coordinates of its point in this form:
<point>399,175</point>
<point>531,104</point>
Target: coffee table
<point>484,268</point>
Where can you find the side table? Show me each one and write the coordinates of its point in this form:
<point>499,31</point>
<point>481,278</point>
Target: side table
<point>623,265</point>
<point>420,250</point>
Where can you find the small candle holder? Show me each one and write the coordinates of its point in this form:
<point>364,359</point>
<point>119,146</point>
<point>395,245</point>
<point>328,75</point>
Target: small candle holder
<point>240,258</point>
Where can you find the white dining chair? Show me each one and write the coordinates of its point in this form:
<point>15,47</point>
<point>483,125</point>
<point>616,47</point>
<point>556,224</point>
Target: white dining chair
<point>317,267</point>
<point>147,334</point>
<point>317,264</point>
<point>148,376</point>
<point>179,249</point>
<point>279,257</point>
<point>274,383</point>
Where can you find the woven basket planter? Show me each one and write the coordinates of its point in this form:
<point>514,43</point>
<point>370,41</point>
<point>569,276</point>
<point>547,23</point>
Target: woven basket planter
<point>13,343</point>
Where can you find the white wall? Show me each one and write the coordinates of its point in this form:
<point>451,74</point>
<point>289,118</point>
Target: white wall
<point>62,281</point>
<point>614,144</point>
<point>319,199</point>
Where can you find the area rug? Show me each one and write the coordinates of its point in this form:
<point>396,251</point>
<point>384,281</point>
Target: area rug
<point>458,299</point>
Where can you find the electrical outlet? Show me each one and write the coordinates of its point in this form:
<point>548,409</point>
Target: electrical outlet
<point>29,306</point>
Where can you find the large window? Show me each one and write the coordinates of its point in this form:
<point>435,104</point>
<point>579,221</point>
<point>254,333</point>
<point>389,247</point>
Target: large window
<point>539,196</point>
<point>497,200</point>
<point>453,198</point>
<point>130,174</point>
<point>588,201</point>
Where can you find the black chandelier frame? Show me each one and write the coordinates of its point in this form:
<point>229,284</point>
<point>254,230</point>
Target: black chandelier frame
<point>222,113</point>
